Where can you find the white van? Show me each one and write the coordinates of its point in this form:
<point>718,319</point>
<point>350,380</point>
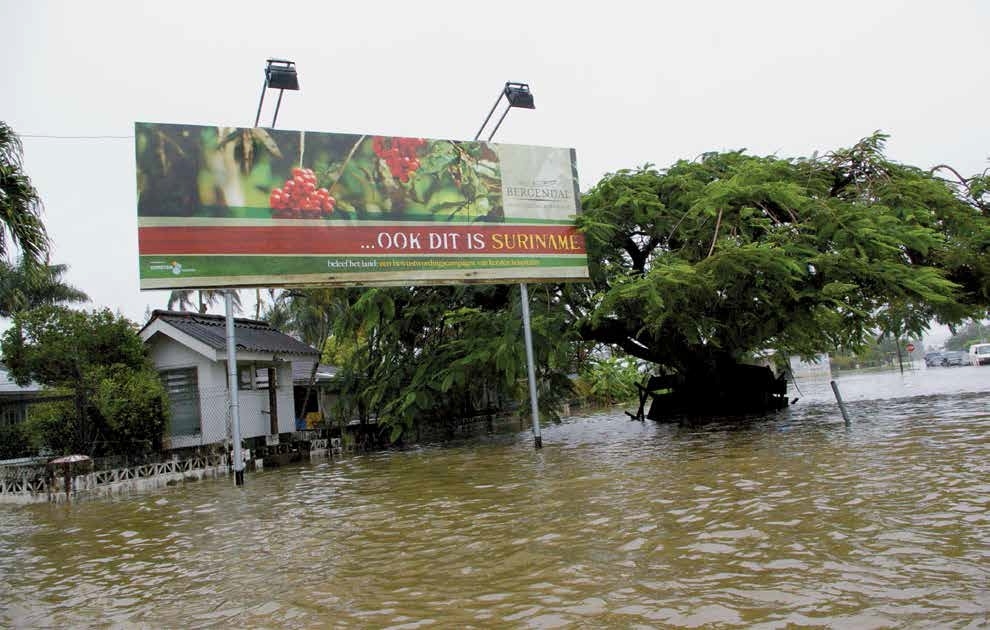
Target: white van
<point>979,354</point>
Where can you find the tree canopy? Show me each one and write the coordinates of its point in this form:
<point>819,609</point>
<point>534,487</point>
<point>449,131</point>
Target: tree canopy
<point>114,403</point>
<point>436,354</point>
<point>703,263</point>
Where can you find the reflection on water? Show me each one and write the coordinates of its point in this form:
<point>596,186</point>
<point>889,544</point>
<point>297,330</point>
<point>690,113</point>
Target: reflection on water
<point>795,520</point>
<point>874,385</point>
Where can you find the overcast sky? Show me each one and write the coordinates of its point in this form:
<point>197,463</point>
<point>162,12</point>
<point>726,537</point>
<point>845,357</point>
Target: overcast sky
<point>624,83</point>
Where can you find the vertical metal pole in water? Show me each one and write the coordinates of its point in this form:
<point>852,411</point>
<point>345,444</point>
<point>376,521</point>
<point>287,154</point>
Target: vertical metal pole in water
<point>838,399</point>
<point>235,413</point>
<point>528,336</point>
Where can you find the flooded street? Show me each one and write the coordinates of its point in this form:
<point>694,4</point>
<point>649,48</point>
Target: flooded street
<point>793,520</point>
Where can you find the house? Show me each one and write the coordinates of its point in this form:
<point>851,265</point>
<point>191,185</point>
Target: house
<point>190,352</point>
<point>15,399</point>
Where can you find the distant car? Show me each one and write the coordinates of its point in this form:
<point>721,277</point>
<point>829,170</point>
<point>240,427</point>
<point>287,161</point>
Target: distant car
<point>979,354</point>
<point>933,359</point>
<point>955,357</point>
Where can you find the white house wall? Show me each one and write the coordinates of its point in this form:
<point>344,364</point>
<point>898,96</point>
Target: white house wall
<point>254,405</point>
<point>168,354</point>
<point>214,402</point>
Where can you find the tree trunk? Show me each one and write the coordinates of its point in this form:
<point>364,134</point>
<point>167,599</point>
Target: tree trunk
<point>717,386</point>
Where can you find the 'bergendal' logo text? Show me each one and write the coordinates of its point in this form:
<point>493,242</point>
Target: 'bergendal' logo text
<point>542,190</point>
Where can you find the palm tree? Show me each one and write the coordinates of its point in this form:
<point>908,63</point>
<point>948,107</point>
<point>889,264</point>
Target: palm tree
<point>180,299</point>
<point>25,285</point>
<point>20,205</point>
<point>205,298</point>
<point>278,315</point>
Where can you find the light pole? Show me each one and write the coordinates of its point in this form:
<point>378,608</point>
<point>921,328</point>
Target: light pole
<point>280,75</point>
<point>518,95</point>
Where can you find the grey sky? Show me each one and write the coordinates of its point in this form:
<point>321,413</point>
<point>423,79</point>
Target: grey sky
<point>625,83</point>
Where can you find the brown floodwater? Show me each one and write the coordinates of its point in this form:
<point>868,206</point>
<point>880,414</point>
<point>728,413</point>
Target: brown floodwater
<point>795,520</point>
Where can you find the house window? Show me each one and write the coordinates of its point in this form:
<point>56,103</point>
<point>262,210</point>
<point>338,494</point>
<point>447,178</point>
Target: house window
<point>261,377</point>
<point>11,413</point>
<point>182,387</point>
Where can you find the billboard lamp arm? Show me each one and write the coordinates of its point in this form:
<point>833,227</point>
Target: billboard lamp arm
<point>499,123</point>
<point>278,104</point>
<point>489,117</point>
<point>264,87</point>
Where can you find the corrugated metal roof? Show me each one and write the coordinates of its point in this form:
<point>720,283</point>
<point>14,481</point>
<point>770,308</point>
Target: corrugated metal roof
<point>251,335</point>
<point>8,386</point>
<point>302,369</point>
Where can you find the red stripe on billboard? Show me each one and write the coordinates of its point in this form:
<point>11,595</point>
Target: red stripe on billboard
<point>336,239</point>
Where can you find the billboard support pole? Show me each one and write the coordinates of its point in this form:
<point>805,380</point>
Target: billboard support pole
<point>287,80</point>
<point>511,91</point>
<point>534,404</point>
<point>235,414</point>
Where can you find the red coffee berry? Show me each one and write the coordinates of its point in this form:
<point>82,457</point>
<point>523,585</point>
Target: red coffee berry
<point>300,198</point>
<point>399,155</point>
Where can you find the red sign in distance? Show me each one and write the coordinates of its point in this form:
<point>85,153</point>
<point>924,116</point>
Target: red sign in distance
<point>910,347</point>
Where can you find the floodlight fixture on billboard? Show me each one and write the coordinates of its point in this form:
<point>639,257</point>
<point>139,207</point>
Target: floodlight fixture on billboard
<point>248,207</point>
<point>518,95</point>
<point>280,74</point>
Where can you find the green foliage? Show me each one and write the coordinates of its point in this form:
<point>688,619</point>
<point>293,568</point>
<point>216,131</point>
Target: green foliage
<point>15,441</point>
<point>134,406</point>
<point>57,428</point>
<point>56,346</point>
<point>880,352</point>
<point>708,261</point>
<point>310,315</point>
<point>609,381</point>
<point>437,354</point>
<point>20,204</point>
<point>25,285</point>
<point>117,404</point>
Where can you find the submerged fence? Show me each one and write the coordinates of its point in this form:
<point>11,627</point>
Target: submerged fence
<point>41,483</point>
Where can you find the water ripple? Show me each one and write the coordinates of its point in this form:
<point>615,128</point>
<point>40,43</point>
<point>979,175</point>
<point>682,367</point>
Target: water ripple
<point>793,521</point>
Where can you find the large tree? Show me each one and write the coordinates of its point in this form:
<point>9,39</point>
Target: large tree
<point>694,268</point>
<point>698,266</point>
<point>115,403</point>
<point>21,227</point>
<point>436,354</point>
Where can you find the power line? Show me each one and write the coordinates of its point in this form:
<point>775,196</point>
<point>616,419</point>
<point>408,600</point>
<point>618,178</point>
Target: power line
<point>54,137</point>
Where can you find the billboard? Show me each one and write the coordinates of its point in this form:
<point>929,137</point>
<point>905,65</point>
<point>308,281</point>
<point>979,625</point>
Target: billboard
<point>247,207</point>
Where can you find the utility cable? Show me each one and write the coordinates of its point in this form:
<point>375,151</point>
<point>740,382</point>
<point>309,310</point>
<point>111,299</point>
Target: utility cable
<point>57,137</point>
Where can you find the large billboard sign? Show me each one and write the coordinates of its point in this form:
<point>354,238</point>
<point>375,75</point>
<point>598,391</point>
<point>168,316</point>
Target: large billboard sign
<point>248,207</point>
